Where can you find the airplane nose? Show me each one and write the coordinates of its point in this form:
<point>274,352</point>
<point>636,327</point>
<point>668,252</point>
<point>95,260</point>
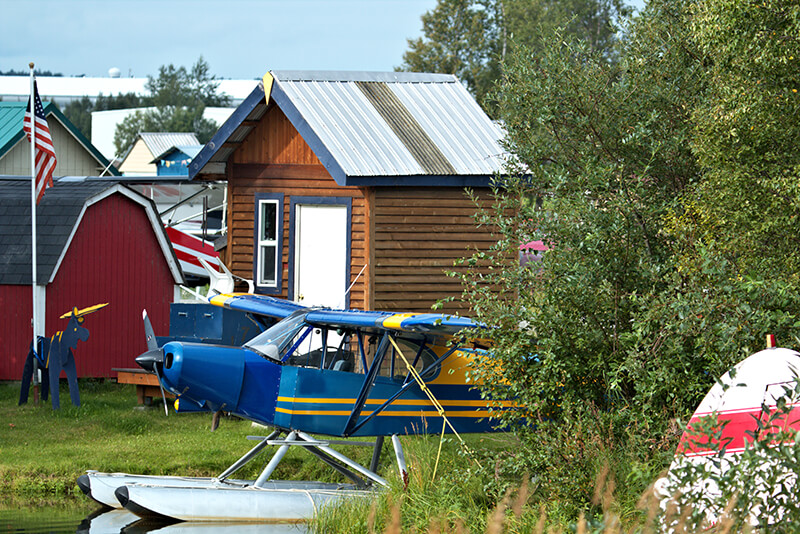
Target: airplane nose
<point>149,359</point>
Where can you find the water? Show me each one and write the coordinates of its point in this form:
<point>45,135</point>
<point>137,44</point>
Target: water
<point>76,519</point>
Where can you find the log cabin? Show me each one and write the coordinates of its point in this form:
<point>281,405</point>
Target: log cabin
<point>347,189</point>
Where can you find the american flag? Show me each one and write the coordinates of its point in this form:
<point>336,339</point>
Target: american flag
<point>45,152</point>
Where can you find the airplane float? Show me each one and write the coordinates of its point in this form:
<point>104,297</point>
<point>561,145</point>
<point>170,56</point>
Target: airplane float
<point>337,373</point>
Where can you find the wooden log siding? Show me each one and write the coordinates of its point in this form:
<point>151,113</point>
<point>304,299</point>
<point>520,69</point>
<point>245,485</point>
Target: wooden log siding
<point>419,234</point>
<point>271,181</point>
<point>274,158</point>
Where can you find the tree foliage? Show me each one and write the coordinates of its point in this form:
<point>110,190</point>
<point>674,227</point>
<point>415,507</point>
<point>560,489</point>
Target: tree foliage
<point>180,97</point>
<point>79,112</point>
<point>665,185</point>
<point>471,38</point>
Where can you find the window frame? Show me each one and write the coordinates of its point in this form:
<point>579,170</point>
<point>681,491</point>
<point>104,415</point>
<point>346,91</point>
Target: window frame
<point>259,200</point>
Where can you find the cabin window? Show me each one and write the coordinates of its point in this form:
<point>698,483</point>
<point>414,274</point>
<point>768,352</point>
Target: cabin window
<point>393,366</point>
<point>267,242</point>
<point>324,349</point>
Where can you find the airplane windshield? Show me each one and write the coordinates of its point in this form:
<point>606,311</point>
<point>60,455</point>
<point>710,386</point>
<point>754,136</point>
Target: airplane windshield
<point>274,341</point>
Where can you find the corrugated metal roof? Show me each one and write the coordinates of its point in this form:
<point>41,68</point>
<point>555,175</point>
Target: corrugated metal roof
<point>364,141</point>
<point>11,115</point>
<point>189,150</point>
<point>374,128</point>
<point>158,143</point>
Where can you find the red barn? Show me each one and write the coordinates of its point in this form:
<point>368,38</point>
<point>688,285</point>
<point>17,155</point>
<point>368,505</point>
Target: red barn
<point>97,241</point>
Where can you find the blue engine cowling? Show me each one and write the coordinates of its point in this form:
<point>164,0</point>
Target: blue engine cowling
<point>213,377</point>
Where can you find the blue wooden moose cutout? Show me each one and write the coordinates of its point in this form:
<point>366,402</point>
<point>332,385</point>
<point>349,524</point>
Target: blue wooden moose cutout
<point>56,354</point>
<point>60,357</point>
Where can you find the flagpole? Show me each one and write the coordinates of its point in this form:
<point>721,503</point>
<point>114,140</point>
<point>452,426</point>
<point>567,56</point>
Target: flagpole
<point>35,322</point>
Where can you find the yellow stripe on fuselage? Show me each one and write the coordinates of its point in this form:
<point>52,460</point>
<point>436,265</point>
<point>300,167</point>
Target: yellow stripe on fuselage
<point>398,413</point>
<point>398,402</point>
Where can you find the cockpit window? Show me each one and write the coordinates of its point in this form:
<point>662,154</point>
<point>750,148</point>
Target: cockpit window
<point>274,341</point>
<point>296,343</point>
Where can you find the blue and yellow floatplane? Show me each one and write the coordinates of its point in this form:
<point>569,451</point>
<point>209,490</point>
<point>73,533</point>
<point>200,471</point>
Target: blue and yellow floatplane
<point>336,373</point>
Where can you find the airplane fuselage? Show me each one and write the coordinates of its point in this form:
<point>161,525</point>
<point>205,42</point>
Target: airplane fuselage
<point>246,384</point>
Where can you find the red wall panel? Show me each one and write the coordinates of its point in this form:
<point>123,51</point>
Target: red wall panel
<point>16,304</point>
<point>114,257</point>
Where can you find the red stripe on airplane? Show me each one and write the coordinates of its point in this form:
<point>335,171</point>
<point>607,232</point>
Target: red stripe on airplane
<point>188,258</point>
<point>189,241</point>
<point>729,430</point>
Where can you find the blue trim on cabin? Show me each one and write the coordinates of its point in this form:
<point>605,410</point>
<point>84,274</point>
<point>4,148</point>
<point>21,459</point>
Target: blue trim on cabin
<point>234,121</point>
<point>330,201</point>
<point>308,134</point>
<point>266,290</point>
<point>422,180</point>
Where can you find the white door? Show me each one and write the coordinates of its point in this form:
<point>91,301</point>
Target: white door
<point>320,258</point>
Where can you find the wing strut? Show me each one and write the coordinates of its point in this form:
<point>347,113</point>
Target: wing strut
<point>406,386</point>
<point>369,381</point>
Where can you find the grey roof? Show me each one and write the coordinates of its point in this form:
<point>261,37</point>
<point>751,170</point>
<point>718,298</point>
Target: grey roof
<point>189,150</point>
<point>56,217</point>
<point>158,143</point>
<point>392,128</point>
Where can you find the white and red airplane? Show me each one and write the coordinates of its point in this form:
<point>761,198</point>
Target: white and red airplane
<point>755,401</point>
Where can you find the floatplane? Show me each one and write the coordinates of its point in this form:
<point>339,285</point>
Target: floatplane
<point>334,373</point>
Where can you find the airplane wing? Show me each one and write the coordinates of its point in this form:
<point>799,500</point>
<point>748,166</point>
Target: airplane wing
<point>420,323</point>
<point>257,304</point>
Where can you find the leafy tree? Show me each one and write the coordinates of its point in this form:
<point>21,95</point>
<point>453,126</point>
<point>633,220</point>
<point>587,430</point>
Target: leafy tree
<point>37,72</point>
<point>471,38</point>
<point>79,112</point>
<point>604,146</point>
<point>180,97</point>
<point>120,101</point>
<point>665,185</point>
<point>747,132</point>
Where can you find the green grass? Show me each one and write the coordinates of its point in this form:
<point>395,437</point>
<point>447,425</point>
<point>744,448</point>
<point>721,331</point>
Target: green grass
<point>43,451</point>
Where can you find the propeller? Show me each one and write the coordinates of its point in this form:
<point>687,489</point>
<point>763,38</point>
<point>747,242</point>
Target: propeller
<point>149,360</point>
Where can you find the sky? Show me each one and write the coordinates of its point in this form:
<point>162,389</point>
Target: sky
<point>239,39</point>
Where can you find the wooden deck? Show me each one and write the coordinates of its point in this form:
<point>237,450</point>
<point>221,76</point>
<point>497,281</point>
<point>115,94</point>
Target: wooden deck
<point>146,384</point>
